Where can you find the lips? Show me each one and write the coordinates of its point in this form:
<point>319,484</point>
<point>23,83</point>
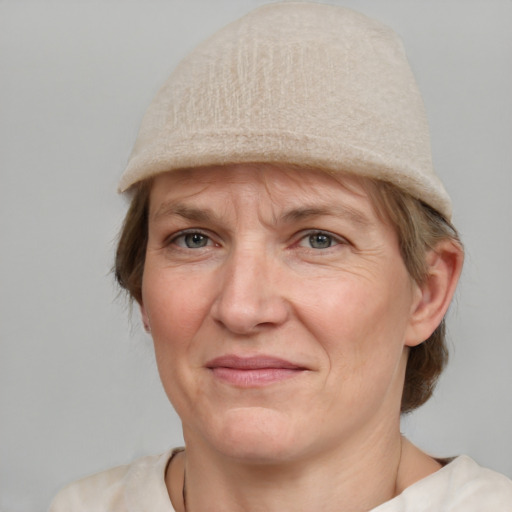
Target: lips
<point>252,371</point>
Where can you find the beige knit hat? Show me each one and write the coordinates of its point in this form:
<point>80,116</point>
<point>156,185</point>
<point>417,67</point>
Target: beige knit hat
<point>298,83</point>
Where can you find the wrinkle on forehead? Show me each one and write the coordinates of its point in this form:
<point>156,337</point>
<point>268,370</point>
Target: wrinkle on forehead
<point>292,192</point>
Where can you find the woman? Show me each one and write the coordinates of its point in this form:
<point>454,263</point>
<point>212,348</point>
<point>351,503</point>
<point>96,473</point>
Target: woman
<point>291,251</point>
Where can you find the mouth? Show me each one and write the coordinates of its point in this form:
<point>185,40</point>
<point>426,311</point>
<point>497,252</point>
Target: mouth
<point>255,371</point>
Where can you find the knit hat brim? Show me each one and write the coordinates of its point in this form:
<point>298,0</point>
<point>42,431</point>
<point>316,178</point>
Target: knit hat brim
<point>294,83</point>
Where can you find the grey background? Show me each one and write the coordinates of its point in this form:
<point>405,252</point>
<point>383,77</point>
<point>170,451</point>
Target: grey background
<point>79,390</point>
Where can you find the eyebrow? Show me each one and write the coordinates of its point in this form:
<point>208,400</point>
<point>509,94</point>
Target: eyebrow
<point>306,212</point>
<point>206,215</point>
<point>170,208</point>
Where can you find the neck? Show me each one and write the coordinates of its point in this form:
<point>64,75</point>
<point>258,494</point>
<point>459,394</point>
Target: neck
<point>354,480</point>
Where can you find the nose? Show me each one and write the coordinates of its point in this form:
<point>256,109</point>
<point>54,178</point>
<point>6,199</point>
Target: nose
<point>250,296</point>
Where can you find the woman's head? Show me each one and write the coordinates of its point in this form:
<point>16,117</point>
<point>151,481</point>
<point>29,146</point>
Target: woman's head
<point>279,296</point>
<point>288,241</point>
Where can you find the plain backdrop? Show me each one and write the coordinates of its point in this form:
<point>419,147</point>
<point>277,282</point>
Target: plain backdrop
<point>79,390</point>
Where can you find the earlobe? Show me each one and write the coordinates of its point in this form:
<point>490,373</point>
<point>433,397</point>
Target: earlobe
<point>145,318</point>
<point>434,296</point>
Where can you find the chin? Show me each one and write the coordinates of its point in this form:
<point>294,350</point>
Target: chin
<point>255,435</point>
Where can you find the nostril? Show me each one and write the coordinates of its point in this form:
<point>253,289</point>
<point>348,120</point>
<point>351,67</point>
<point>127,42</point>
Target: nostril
<point>245,317</point>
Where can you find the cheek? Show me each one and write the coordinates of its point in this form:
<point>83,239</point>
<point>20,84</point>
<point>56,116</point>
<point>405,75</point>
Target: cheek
<point>176,307</point>
<point>173,302</point>
<point>355,314</point>
<point>361,327</point>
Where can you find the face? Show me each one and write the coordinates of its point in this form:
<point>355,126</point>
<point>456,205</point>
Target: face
<point>279,306</point>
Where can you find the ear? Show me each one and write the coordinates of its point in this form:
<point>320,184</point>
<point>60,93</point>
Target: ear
<point>145,318</point>
<point>433,297</point>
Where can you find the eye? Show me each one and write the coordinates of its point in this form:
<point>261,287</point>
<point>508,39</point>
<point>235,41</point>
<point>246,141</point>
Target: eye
<point>319,240</point>
<point>192,240</point>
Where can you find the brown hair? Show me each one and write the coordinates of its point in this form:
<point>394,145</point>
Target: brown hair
<point>419,228</point>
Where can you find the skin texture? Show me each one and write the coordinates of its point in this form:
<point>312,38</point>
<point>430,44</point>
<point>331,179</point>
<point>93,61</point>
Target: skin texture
<point>261,261</point>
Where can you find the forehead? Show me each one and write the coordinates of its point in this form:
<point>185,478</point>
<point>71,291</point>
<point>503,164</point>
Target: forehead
<point>282,185</point>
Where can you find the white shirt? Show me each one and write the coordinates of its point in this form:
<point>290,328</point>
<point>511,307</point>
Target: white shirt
<point>460,486</point>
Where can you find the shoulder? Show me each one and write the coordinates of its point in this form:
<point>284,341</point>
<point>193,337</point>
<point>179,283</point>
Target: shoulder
<point>460,486</point>
<point>476,488</point>
<point>120,489</point>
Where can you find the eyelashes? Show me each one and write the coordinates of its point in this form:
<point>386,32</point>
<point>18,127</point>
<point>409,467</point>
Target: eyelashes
<point>320,240</point>
<point>192,240</point>
<point>316,240</point>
